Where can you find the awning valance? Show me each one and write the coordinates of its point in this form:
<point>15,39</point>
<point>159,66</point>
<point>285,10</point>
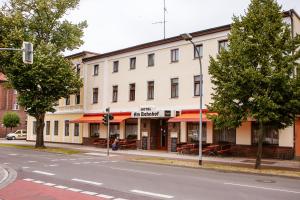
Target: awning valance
<point>190,117</point>
<point>120,118</point>
<point>88,119</point>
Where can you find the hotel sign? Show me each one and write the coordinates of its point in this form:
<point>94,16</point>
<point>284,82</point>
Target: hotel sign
<point>151,112</point>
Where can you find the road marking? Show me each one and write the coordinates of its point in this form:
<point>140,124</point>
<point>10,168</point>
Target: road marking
<point>85,181</point>
<point>153,194</point>
<point>114,161</point>
<point>28,179</point>
<point>63,159</point>
<point>25,167</point>
<point>49,184</point>
<point>99,154</point>
<point>55,165</point>
<point>44,173</point>
<point>74,190</point>
<point>38,181</point>
<point>89,193</point>
<point>264,188</point>
<point>96,162</point>
<point>61,187</point>
<point>120,199</point>
<point>136,171</point>
<point>6,163</point>
<point>12,154</point>
<point>72,159</point>
<point>86,162</point>
<point>105,196</point>
<point>54,160</point>
<point>32,161</point>
<point>77,163</point>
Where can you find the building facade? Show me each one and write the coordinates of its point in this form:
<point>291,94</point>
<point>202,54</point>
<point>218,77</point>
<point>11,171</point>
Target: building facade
<point>152,91</point>
<point>9,103</point>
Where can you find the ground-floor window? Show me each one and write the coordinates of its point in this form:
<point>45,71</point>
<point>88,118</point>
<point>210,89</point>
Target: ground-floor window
<point>47,127</point>
<point>55,127</point>
<point>34,128</point>
<point>114,130</point>
<point>131,129</point>
<point>271,134</point>
<point>224,135</point>
<point>94,130</point>
<point>67,128</point>
<point>76,129</point>
<point>193,131</point>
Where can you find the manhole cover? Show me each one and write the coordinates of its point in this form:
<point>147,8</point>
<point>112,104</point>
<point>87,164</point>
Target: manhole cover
<point>266,181</point>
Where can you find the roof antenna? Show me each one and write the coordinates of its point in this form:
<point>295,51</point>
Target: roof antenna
<point>164,21</point>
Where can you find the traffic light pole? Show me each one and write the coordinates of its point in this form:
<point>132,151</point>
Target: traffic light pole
<point>27,52</point>
<point>107,110</point>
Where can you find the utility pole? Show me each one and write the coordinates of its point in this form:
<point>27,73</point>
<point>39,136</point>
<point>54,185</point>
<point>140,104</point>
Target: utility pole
<point>164,21</point>
<point>108,135</point>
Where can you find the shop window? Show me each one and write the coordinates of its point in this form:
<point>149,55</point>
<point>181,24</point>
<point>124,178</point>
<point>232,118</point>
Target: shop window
<point>34,128</point>
<point>193,131</point>
<point>94,130</point>
<point>224,135</point>
<point>271,134</point>
<point>76,129</point>
<point>47,127</point>
<point>223,45</point>
<point>55,127</point>
<point>151,60</point>
<point>131,131</point>
<point>174,55</point>
<point>132,63</point>
<point>198,48</point>
<point>132,92</point>
<point>174,88</point>
<point>67,128</point>
<point>114,130</point>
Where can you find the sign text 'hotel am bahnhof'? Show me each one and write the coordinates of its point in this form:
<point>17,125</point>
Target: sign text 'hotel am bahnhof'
<point>151,112</point>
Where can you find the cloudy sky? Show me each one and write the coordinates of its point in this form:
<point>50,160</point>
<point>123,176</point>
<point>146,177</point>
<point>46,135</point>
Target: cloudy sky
<point>115,24</point>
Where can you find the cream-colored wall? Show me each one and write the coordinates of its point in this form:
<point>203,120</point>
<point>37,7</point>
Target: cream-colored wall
<point>286,137</point>
<point>183,132</point>
<point>61,129</point>
<point>209,132</point>
<point>296,22</point>
<point>243,134</point>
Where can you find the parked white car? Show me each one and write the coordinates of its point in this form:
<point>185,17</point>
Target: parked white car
<point>18,135</point>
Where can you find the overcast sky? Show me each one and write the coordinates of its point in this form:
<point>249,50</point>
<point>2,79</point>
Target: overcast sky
<point>116,24</point>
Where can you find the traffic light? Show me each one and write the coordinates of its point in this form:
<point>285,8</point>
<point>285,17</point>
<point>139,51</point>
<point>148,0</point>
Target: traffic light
<point>105,119</point>
<point>111,117</point>
<point>27,52</point>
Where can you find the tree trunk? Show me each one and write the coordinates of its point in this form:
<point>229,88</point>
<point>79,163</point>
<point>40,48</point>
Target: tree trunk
<point>39,143</point>
<point>260,145</point>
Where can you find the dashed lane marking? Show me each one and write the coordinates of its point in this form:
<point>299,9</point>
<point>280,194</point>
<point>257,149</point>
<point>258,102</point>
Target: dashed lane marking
<point>55,165</point>
<point>12,154</point>
<point>25,167</point>
<point>6,163</point>
<point>86,181</point>
<point>89,193</point>
<point>32,161</point>
<point>74,190</point>
<point>105,196</point>
<point>99,154</point>
<point>152,194</point>
<point>49,184</point>
<point>61,187</point>
<point>136,171</point>
<point>28,179</point>
<point>44,173</point>
<point>39,181</point>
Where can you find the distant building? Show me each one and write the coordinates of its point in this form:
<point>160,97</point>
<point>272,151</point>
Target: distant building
<point>9,103</point>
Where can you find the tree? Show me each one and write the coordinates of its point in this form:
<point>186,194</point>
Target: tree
<point>51,76</point>
<point>254,78</point>
<point>11,120</point>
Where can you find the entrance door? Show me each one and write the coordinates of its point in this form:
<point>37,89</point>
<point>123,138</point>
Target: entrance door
<point>159,134</point>
<point>163,134</point>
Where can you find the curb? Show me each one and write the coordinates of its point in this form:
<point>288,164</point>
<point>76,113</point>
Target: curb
<point>9,176</point>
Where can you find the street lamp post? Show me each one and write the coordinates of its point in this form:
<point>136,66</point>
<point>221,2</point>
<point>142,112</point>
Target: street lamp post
<point>188,37</point>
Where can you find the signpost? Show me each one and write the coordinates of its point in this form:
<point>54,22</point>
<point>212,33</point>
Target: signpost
<point>27,52</point>
<point>106,118</point>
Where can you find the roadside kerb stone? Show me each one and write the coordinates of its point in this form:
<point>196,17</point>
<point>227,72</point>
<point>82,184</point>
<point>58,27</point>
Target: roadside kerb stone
<point>7,176</point>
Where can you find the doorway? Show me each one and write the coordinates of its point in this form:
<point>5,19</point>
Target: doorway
<point>159,134</point>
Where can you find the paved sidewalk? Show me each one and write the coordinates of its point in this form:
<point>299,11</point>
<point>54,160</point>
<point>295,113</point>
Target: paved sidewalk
<point>292,164</point>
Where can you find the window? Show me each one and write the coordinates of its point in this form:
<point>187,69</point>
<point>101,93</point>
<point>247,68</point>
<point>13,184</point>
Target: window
<point>67,101</point>
<point>116,66</point>
<point>132,92</point>
<point>55,127</point>
<point>95,95</point>
<point>15,92</point>
<point>174,87</point>
<point>271,134</point>
<point>67,128</point>
<point>96,70</point>
<point>150,90</point>
<point>114,130</point>
<point>174,55</point>
<point>200,50</point>
<point>77,98</point>
<point>78,69</point>
<point>223,45</point>
<point>132,63</point>
<point>150,59</point>
<point>34,128</point>
<point>47,127</point>
<point>94,130</point>
<point>16,106</point>
<point>76,129</point>
<point>193,132</point>
<point>225,135</point>
<point>197,85</point>
<point>131,129</point>
<point>115,93</point>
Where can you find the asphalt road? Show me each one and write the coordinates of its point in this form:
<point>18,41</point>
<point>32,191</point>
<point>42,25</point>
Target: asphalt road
<point>83,176</point>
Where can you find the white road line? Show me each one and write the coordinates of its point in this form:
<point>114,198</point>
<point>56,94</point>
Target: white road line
<point>136,171</point>
<point>72,159</point>
<point>85,181</point>
<point>152,194</point>
<point>105,196</point>
<point>25,167</point>
<point>99,154</point>
<point>49,184</point>
<point>77,163</point>
<point>63,159</point>
<point>12,154</point>
<point>54,160</point>
<point>38,181</point>
<point>44,173</point>
<point>96,162</point>
<point>28,179</point>
<point>264,188</point>
<point>120,199</point>
<point>114,161</point>
<point>32,161</point>
<point>61,187</point>
<point>6,163</point>
<point>74,190</point>
<point>86,162</point>
<point>89,193</point>
<point>55,165</point>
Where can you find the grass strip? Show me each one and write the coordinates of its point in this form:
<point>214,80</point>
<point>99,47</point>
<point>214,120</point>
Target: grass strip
<point>217,166</point>
<point>47,149</point>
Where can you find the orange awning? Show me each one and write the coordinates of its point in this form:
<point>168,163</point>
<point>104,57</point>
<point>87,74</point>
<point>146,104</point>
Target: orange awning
<point>190,117</point>
<point>88,119</point>
<point>120,118</point>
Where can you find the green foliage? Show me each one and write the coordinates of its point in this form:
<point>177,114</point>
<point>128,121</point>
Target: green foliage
<point>254,77</point>
<point>50,77</point>
<point>11,120</point>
